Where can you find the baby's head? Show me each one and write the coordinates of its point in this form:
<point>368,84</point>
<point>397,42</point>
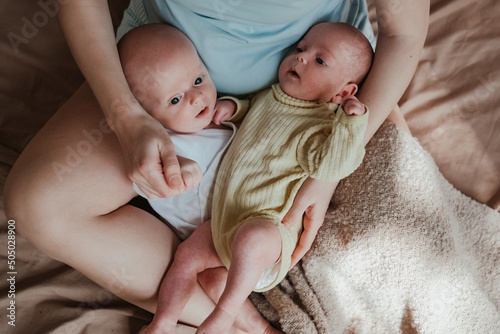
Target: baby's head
<point>167,77</point>
<point>329,62</point>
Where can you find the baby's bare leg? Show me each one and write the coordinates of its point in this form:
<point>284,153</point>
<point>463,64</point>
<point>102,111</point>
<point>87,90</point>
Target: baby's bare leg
<point>256,246</point>
<point>193,256</point>
<point>249,319</point>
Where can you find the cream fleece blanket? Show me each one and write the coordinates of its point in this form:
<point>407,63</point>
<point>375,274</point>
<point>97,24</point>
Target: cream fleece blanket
<point>401,251</point>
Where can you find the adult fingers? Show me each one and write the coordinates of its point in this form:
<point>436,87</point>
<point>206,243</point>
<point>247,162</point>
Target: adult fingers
<point>311,224</point>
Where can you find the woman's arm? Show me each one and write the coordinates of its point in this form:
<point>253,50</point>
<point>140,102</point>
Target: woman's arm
<point>402,31</point>
<point>149,154</point>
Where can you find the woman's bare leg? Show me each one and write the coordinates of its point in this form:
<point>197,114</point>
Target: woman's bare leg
<point>68,193</point>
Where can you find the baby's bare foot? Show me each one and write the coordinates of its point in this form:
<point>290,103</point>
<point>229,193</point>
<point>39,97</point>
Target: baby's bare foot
<point>218,322</point>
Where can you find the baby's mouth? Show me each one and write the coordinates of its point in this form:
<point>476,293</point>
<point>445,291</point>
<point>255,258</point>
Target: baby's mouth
<point>202,112</point>
<point>293,73</point>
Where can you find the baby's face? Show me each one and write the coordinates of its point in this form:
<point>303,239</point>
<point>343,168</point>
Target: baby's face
<point>184,96</point>
<point>317,67</point>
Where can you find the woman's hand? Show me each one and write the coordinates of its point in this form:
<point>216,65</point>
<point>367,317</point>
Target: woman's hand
<point>309,206</point>
<point>151,160</point>
<point>149,154</point>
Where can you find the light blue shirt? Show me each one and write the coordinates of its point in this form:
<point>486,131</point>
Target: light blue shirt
<point>242,42</point>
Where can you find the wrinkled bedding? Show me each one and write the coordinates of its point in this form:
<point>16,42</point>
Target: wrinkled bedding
<point>452,108</point>
<point>401,250</point>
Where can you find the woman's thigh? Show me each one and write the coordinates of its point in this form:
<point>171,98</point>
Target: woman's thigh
<point>68,193</point>
<point>73,163</point>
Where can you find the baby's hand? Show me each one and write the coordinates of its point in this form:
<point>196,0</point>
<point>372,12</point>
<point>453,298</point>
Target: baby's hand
<point>352,106</point>
<point>190,172</point>
<point>224,109</point>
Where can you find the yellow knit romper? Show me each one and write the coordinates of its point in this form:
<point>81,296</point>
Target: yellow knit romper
<point>281,142</point>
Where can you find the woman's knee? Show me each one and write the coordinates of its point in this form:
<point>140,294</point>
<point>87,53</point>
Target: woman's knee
<point>33,208</point>
<point>44,208</point>
<point>26,196</point>
<point>62,178</point>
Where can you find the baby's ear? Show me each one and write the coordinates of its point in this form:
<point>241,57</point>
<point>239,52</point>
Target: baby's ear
<point>349,88</point>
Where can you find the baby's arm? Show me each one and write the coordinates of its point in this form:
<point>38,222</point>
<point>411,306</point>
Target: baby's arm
<point>314,196</point>
<point>330,152</point>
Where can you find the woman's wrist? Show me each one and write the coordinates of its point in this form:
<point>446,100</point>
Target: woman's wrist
<point>122,111</point>
<point>89,32</point>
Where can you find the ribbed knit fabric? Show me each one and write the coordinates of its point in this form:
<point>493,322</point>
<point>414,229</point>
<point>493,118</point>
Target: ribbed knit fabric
<point>280,143</point>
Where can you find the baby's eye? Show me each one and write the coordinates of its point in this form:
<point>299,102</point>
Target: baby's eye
<point>198,80</point>
<point>176,99</point>
<point>299,50</point>
<point>320,61</point>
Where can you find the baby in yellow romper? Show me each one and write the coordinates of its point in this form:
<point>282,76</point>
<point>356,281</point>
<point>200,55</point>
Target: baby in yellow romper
<point>292,131</point>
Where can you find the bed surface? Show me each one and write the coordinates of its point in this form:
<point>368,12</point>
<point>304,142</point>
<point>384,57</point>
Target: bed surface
<point>452,107</point>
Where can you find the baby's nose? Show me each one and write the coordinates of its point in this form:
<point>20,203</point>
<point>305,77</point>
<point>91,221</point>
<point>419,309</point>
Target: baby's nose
<point>197,98</point>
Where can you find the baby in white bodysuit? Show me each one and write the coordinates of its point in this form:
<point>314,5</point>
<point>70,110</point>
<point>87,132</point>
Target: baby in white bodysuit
<point>171,82</point>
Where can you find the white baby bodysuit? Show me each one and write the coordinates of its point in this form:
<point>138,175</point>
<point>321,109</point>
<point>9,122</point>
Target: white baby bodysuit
<point>185,212</point>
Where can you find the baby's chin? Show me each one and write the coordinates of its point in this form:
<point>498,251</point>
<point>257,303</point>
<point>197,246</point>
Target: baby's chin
<point>196,126</point>
<point>199,126</point>
<point>298,92</point>
<point>295,92</point>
